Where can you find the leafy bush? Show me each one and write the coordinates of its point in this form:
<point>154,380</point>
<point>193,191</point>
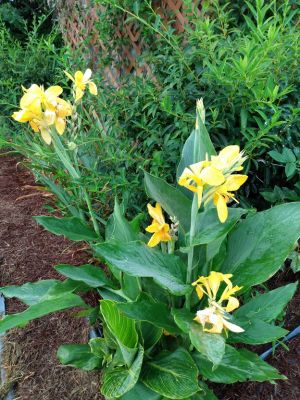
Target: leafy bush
<point>161,338</point>
<point>244,66</point>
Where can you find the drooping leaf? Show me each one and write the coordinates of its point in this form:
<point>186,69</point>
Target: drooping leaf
<point>71,227</point>
<point>138,260</point>
<point>172,375</point>
<point>146,309</point>
<point>91,275</point>
<point>119,380</point>
<point>29,293</point>
<point>237,366</point>
<point>118,228</point>
<point>99,347</point>
<point>267,306</point>
<point>122,328</point>
<point>78,356</point>
<point>172,200</point>
<point>40,309</point>
<point>259,245</point>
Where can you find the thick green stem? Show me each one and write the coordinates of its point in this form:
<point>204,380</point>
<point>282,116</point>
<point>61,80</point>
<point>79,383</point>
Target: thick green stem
<point>189,273</point>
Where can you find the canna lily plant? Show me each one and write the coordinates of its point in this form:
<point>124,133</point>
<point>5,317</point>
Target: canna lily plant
<point>173,301</point>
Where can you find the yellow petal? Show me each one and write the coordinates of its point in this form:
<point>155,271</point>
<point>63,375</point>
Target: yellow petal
<point>199,195</point>
<point>53,91</point>
<point>87,75</point>
<point>69,76</point>
<point>34,126</point>
<point>232,327</point>
<point>153,228</point>
<point>222,208</point>
<point>212,176</point>
<point>22,116</point>
<point>234,182</point>
<point>93,88</point>
<point>79,94</point>
<point>155,239</point>
<point>60,125</point>
<point>156,213</point>
<point>46,136</point>
<point>78,78</point>
<point>199,291</point>
<point>232,304</point>
<point>214,281</point>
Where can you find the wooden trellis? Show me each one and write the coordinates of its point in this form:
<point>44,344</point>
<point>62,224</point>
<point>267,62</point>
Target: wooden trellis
<point>78,19</point>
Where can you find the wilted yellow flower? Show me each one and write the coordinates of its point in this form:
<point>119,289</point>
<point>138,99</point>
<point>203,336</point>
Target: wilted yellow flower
<point>159,228</point>
<point>199,174</point>
<point>215,317</point>
<point>80,81</point>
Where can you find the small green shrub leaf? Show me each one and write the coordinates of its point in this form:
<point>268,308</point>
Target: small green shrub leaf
<point>137,259</point>
<point>237,366</point>
<point>258,246</point>
<point>78,356</point>
<point>172,375</point>
<point>71,227</point>
<point>119,380</point>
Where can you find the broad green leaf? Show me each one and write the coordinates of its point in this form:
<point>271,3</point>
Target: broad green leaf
<point>119,380</point>
<point>99,347</point>
<point>40,309</point>
<point>78,356</point>
<point>237,366</point>
<point>172,375</point>
<point>122,328</point>
<point>141,392</point>
<point>197,145</point>
<point>118,228</point>
<point>66,286</point>
<point>207,395</point>
<point>150,334</point>
<point>130,286</point>
<point>172,200</point>
<point>91,275</point>
<point>71,227</point>
<point>259,245</point>
<point>29,293</point>
<point>146,309</point>
<point>267,306</point>
<point>136,259</point>
<point>209,227</point>
<point>257,332</point>
<point>211,345</point>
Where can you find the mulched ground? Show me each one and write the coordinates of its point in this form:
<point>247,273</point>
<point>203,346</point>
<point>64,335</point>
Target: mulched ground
<point>28,253</point>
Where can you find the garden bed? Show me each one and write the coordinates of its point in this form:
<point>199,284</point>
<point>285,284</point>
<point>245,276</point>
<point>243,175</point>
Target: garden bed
<point>28,253</point>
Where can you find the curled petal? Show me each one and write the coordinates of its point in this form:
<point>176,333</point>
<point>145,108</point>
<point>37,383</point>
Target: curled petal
<point>232,327</point>
<point>60,125</point>
<point>46,135</point>
<point>93,88</point>
<point>234,182</point>
<point>222,210</point>
<point>87,75</point>
<point>232,304</point>
<point>154,240</point>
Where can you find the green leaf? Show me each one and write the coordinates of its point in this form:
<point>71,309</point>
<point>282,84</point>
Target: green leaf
<point>173,375</point>
<point>208,393</point>
<point>237,366</point>
<point>118,228</point>
<point>259,245</point>
<point>290,169</point>
<point>29,293</point>
<point>267,306</point>
<point>209,227</point>
<point>211,345</point>
<point>172,200</point>
<point>150,334</point>
<point>136,259</point>
<point>141,392</point>
<point>99,347</point>
<point>257,332</point>
<point>277,156</point>
<point>91,275</point>
<point>40,309</point>
<point>78,356</point>
<point>146,309</point>
<point>118,381</point>
<point>197,145</point>
<point>122,327</point>
<point>71,227</point>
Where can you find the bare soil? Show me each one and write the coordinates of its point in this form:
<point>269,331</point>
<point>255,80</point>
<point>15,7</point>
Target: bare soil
<point>28,253</point>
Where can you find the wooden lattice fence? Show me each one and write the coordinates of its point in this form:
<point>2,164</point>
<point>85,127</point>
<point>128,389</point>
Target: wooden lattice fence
<point>79,22</point>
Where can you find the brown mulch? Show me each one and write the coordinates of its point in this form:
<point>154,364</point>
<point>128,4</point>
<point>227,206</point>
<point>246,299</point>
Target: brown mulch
<point>27,254</point>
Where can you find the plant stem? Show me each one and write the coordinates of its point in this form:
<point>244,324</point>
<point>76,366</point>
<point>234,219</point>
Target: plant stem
<point>189,273</point>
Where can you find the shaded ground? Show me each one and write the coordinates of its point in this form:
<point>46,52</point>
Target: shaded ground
<point>28,253</point>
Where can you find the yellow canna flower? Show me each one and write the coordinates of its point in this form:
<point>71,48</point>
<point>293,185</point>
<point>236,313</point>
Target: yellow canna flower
<point>214,317</point>
<point>36,98</point>
<point>80,81</point>
<point>229,159</point>
<point>159,228</point>
<point>199,174</point>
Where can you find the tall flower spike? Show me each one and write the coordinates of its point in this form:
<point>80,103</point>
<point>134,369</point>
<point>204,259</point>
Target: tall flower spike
<point>215,317</point>
<point>159,228</point>
<point>80,81</point>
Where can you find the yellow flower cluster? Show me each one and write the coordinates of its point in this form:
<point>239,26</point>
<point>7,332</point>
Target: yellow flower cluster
<point>215,178</point>
<point>159,228</point>
<point>44,110</point>
<point>215,317</point>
